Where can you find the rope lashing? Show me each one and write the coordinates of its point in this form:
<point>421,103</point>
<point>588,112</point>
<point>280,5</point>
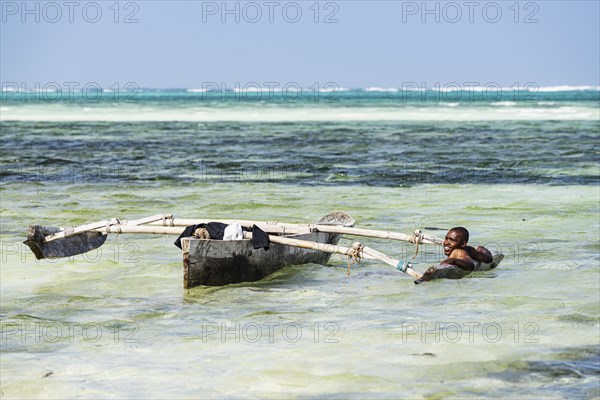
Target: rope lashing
<point>354,256</point>
<point>114,222</point>
<point>417,238</point>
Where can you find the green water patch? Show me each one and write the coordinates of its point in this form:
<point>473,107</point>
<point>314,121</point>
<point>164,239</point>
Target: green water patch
<point>578,318</point>
<point>572,372</point>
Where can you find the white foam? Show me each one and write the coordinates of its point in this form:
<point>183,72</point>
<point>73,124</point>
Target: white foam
<point>566,88</point>
<point>290,114</point>
<point>490,88</point>
<point>266,89</point>
<point>331,89</point>
<point>532,87</point>
<point>381,89</point>
<point>504,103</point>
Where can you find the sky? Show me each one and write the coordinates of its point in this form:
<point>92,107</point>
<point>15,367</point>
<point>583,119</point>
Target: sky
<point>353,44</point>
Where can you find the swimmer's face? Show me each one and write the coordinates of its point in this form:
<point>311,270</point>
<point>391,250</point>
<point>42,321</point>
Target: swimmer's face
<point>453,240</point>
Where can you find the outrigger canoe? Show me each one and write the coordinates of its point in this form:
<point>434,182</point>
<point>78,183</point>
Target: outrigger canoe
<point>220,262</point>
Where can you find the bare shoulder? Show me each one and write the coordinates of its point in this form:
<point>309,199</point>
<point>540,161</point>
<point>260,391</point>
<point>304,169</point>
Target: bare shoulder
<point>460,253</point>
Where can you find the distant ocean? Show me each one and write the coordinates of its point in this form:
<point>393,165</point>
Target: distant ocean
<point>257,103</point>
<point>520,169</point>
<point>373,136</point>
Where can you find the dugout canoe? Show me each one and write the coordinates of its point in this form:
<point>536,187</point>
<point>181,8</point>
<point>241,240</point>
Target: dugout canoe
<point>221,262</point>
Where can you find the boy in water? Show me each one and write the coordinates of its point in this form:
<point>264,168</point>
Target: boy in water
<point>459,254</point>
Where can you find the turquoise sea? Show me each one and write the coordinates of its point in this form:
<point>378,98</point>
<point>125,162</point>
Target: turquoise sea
<point>519,169</point>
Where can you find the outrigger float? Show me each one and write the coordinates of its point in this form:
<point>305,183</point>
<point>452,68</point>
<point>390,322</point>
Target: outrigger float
<point>215,262</point>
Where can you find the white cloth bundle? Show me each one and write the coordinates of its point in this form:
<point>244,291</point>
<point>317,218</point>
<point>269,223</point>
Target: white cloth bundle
<point>233,232</point>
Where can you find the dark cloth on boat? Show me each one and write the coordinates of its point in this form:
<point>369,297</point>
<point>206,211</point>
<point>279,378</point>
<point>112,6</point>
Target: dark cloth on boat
<point>216,231</point>
<point>260,238</point>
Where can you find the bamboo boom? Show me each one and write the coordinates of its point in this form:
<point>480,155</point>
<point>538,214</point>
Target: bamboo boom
<point>97,226</point>
<point>132,227</point>
<point>177,230</point>
<point>377,234</point>
<point>302,228</point>
<point>369,254</point>
<point>167,220</point>
<point>267,226</point>
<point>330,248</point>
<point>157,230</point>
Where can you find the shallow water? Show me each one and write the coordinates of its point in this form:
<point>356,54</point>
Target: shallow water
<point>117,323</point>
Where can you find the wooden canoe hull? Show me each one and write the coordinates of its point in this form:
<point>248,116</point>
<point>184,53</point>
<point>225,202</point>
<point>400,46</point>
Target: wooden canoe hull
<point>497,258</point>
<point>446,271</point>
<point>222,262</point>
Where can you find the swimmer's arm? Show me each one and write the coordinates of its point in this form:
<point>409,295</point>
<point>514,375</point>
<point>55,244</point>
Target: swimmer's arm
<point>461,259</point>
<point>480,254</point>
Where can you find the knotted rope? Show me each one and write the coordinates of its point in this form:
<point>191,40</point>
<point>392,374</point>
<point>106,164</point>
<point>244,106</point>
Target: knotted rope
<point>114,222</point>
<point>417,238</point>
<point>170,218</point>
<point>354,256</point>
